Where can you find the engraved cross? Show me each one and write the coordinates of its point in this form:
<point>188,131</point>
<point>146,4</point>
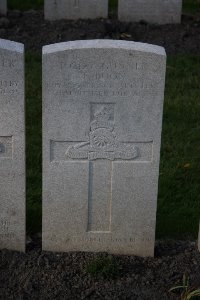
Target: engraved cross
<point>101,146</point>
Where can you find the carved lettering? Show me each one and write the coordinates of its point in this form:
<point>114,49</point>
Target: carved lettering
<point>107,88</point>
<point>5,230</point>
<point>8,87</point>
<point>108,239</point>
<point>4,225</point>
<point>6,62</point>
<point>7,235</point>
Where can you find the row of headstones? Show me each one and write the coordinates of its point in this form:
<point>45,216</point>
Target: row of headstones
<point>102,118</point>
<point>153,11</point>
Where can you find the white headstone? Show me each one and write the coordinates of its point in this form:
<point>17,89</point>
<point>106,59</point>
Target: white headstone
<point>12,146</point>
<point>3,7</point>
<point>102,119</point>
<point>75,9</point>
<point>152,11</point>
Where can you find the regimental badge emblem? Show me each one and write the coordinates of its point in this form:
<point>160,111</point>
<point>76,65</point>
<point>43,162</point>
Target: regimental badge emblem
<point>102,141</point>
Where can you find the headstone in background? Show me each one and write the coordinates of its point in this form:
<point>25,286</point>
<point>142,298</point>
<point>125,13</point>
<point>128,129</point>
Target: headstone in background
<point>12,146</point>
<point>3,7</point>
<point>75,9</point>
<point>152,11</point>
<point>102,118</point>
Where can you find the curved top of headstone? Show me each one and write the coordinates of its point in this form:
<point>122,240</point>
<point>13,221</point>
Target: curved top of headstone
<point>109,44</point>
<point>11,46</point>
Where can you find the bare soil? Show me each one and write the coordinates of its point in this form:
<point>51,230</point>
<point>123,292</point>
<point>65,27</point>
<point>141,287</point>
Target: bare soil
<point>31,29</point>
<point>45,275</point>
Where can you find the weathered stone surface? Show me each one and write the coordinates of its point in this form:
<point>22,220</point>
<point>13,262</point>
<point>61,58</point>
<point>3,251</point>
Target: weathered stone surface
<point>103,103</point>
<point>152,11</point>
<point>75,9</point>
<point>3,7</point>
<point>12,146</point>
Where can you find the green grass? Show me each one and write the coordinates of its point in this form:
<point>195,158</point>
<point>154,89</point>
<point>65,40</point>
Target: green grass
<point>25,4</point>
<point>113,5</point>
<point>191,6</point>
<point>179,188</point>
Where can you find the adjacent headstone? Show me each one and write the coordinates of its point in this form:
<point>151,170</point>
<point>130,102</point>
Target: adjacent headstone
<point>12,146</point>
<point>3,7</point>
<point>102,119</point>
<point>75,9</point>
<point>152,11</point>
